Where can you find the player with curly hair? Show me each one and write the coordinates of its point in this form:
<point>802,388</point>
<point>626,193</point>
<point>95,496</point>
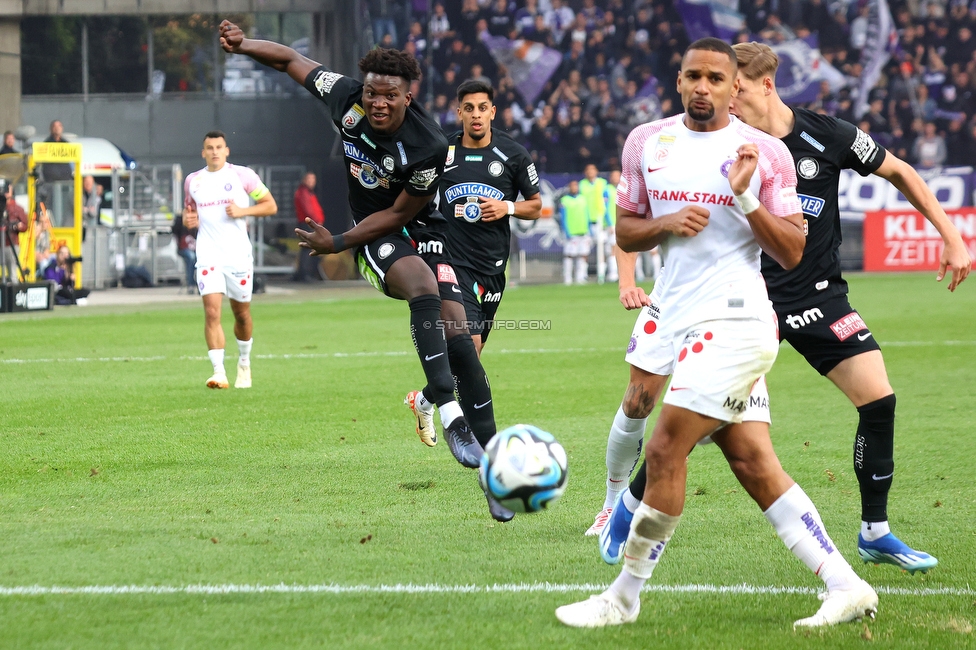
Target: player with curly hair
<point>395,153</point>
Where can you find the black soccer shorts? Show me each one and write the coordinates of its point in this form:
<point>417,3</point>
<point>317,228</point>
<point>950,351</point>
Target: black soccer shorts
<point>375,259</point>
<point>482,294</point>
<point>826,333</point>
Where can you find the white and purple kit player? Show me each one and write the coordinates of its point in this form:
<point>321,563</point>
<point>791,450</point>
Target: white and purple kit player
<point>713,193</point>
<point>217,200</point>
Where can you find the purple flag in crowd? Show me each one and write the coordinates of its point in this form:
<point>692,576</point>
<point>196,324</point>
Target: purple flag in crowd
<point>882,41</point>
<point>529,64</point>
<point>710,18</point>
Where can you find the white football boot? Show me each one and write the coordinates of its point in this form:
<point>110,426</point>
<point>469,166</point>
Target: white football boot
<point>218,380</point>
<point>843,605</point>
<point>597,611</point>
<point>599,522</point>
<point>243,379</point>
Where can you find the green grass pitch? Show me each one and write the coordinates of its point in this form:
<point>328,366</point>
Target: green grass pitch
<point>118,467</point>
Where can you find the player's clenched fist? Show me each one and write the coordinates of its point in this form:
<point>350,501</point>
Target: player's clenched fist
<point>231,36</point>
<point>743,168</point>
<point>190,218</point>
<point>688,221</point>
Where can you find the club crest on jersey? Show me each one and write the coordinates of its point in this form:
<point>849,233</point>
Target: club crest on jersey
<point>726,166</point>
<point>385,251</point>
<point>353,116</point>
<point>807,167</point>
<point>388,163</point>
<point>470,210</point>
<point>367,177</point>
<point>496,168</point>
<point>228,187</point>
<point>450,155</point>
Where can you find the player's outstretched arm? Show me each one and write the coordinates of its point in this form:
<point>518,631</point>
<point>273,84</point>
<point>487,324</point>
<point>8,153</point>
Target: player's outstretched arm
<point>954,255</point>
<point>376,225</point>
<point>781,238</point>
<point>273,55</point>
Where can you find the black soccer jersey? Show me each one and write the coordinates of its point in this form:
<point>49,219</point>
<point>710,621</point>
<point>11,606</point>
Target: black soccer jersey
<point>821,146</point>
<point>499,171</point>
<point>381,166</point>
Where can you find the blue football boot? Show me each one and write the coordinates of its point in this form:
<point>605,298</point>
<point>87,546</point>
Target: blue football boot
<point>613,537</point>
<point>891,550</point>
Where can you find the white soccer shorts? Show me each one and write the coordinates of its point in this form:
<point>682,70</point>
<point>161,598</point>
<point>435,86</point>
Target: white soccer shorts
<point>716,367</point>
<point>578,246</point>
<point>235,282</point>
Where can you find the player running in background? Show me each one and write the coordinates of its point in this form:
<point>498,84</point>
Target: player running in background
<point>394,152</point>
<point>811,299</point>
<point>484,173</point>
<point>217,202</point>
<point>710,325</point>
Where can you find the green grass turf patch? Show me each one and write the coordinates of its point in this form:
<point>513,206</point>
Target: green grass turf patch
<point>130,472</point>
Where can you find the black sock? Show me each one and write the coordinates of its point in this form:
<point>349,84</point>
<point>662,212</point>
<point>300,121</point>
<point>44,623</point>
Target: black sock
<point>874,464</point>
<point>427,332</point>
<point>473,390</point>
<point>639,481</point>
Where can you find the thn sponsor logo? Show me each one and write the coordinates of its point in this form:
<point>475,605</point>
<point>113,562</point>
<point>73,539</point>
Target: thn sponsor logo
<point>425,247</point>
<point>797,321</point>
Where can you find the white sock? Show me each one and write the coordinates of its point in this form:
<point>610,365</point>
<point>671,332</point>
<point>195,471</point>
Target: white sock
<point>630,502</point>
<point>649,534</point>
<point>799,525</point>
<point>423,404</point>
<point>623,451</point>
<point>871,531</point>
<point>612,274</point>
<point>244,352</point>
<point>217,359</point>
<point>581,269</point>
<point>568,270</point>
<point>450,412</point>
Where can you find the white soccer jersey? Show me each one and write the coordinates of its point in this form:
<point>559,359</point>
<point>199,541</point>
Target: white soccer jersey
<point>715,274</point>
<point>222,240</point>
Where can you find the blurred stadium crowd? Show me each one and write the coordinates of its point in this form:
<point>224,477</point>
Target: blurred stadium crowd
<point>619,60</point>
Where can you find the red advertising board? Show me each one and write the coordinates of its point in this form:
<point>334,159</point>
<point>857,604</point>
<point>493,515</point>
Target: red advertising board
<point>906,241</point>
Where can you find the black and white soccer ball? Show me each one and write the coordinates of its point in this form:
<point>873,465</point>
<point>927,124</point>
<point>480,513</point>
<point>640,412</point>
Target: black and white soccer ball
<point>524,468</point>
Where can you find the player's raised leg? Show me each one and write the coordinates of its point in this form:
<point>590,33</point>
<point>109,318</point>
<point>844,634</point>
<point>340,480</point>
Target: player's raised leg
<point>864,380</point>
<point>749,451</point>
<point>409,278</point>
<point>214,334</point>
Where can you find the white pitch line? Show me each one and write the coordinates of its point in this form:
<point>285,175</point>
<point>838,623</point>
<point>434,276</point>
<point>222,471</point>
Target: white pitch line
<point>406,353</point>
<point>518,588</point>
<point>300,355</point>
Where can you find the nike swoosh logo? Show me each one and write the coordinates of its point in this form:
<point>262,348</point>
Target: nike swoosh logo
<point>651,171</point>
<point>439,354</point>
<point>447,169</point>
<point>455,290</point>
<point>881,478</point>
<point>681,388</point>
<point>347,134</point>
<point>612,480</point>
<point>861,337</point>
<point>481,406</point>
